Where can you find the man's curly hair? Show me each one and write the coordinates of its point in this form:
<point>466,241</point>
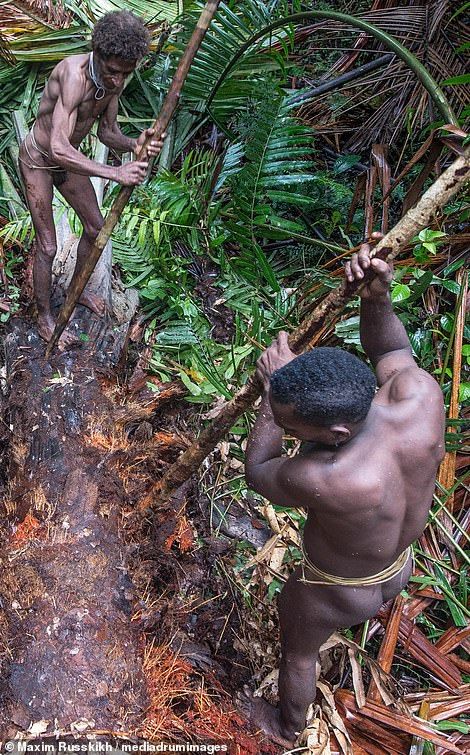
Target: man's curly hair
<point>121,34</point>
<point>325,385</point>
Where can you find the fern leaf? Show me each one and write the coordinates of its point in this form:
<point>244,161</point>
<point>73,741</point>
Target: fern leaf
<point>276,152</point>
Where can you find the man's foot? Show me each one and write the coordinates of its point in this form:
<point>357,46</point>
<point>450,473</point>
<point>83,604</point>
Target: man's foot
<point>94,302</point>
<point>262,716</point>
<point>46,327</point>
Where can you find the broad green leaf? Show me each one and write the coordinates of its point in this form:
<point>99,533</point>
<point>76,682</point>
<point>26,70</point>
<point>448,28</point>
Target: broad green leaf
<point>464,392</point>
<point>455,80</point>
<point>345,162</point>
<point>452,725</point>
<point>400,292</point>
<point>451,285</point>
<point>192,387</point>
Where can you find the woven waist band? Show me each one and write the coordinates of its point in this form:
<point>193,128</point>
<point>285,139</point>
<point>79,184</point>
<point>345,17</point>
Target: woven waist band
<point>373,579</point>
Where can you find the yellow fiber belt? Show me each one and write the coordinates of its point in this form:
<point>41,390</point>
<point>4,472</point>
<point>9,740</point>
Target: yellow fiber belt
<point>373,579</point>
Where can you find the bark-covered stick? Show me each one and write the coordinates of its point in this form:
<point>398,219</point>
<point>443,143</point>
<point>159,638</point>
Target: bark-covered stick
<point>417,218</point>
<point>168,108</point>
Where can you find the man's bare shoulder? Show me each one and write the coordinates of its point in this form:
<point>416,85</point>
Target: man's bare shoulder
<point>414,414</point>
<point>70,85</point>
<point>71,72</point>
<point>414,383</point>
<point>315,474</point>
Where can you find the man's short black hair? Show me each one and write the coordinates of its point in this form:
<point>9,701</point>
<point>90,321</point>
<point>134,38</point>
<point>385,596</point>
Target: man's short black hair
<point>325,385</point>
<point>121,34</point>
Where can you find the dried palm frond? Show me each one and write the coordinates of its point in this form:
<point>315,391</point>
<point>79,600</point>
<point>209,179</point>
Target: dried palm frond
<point>377,106</point>
<point>28,15</point>
<point>5,50</point>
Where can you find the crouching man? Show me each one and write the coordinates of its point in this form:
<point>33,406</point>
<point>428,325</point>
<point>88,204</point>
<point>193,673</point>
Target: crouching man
<point>81,89</point>
<point>365,476</point>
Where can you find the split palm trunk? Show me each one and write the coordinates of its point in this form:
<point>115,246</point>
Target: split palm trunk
<point>417,218</point>
<point>160,125</point>
<point>71,658</point>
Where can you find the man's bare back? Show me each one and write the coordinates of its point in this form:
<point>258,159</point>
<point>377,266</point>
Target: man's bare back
<point>80,90</point>
<point>366,477</point>
<point>379,486</point>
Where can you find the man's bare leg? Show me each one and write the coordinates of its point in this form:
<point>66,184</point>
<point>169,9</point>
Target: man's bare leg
<point>38,187</point>
<point>80,194</point>
<point>308,615</point>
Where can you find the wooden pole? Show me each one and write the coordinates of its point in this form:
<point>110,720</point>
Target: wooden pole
<point>417,218</point>
<point>168,108</point>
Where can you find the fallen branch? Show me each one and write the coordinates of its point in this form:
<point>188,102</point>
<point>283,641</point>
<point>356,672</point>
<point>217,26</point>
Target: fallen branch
<point>343,79</point>
<point>168,108</point>
<point>417,218</point>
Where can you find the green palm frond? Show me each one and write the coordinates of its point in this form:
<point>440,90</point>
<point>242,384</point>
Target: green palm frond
<point>231,164</point>
<point>49,45</point>
<point>272,180</point>
<point>184,195</point>
<point>233,24</point>
<point>134,258</point>
<point>169,210</point>
<point>150,10</point>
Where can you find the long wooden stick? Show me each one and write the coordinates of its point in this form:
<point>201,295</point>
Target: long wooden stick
<point>169,106</point>
<point>417,218</point>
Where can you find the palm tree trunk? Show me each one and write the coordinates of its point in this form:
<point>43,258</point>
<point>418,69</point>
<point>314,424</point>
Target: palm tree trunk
<point>68,648</point>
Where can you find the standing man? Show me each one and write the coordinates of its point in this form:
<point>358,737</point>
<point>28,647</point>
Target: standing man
<point>80,90</point>
<point>365,476</point>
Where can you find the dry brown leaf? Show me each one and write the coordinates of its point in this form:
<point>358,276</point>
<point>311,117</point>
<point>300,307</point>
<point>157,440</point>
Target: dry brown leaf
<point>381,684</point>
<point>422,650</point>
<point>452,638</point>
<point>388,646</point>
<point>334,719</point>
<point>277,557</point>
<point>82,724</point>
<point>38,727</point>
<point>396,720</point>
<point>316,736</point>
<point>358,683</point>
<point>270,682</point>
<point>271,518</point>
<point>264,553</point>
<point>385,683</point>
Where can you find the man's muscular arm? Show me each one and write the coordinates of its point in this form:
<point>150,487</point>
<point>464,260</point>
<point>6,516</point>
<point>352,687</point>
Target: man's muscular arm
<point>282,480</point>
<point>109,132</point>
<point>383,336</point>
<point>64,119</point>
<point>285,481</point>
<point>278,478</point>
<point>264,443</point>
